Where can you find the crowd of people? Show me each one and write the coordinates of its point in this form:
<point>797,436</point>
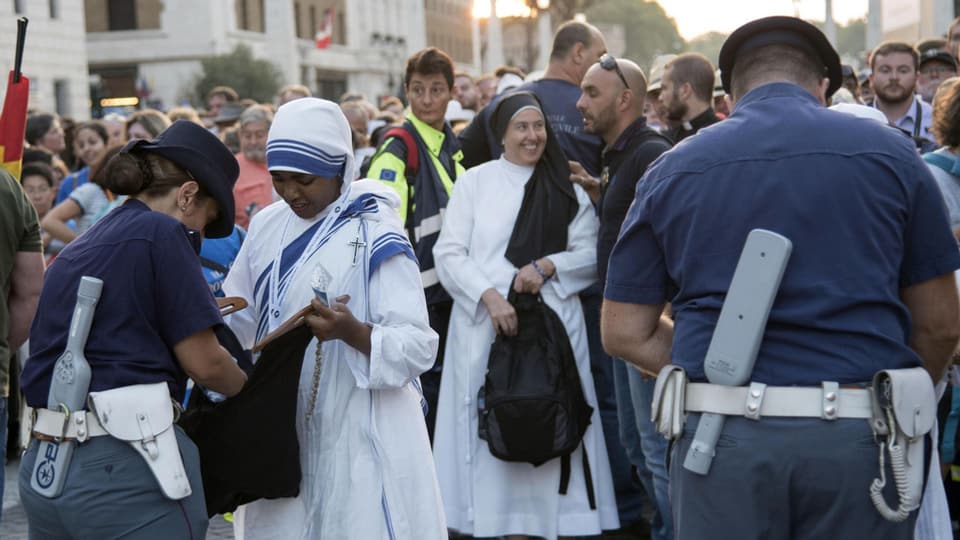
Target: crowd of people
<point>402,235</point>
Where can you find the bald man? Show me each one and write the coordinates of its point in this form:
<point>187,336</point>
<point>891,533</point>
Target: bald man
<point>576,46</point>
<point>611,102</point>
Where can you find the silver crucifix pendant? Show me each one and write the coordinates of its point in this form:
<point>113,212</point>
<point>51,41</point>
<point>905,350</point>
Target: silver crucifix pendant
<point>357,243</point>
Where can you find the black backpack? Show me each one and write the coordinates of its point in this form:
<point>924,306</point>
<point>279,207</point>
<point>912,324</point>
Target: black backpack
<point>532,406</point>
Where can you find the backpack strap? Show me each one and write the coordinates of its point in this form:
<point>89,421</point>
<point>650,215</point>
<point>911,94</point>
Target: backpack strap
<point>587,476</point>
<point>917,117</point>
<point>940,161</point>
<point>412,157</point>
<point>411,160</point>
<point>588,479</point>
<point>213,265</point>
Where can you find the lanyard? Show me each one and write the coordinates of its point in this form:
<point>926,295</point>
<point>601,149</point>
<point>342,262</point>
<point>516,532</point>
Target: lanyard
<point>917,115</point>
<point>278,293</point>
<point>917,118</point>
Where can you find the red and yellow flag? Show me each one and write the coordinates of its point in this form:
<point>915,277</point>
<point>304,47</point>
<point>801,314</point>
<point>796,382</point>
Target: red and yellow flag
<point>13,123</point>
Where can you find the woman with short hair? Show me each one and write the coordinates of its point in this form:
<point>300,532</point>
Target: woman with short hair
<point>146,124</point>
<point>43,130</point>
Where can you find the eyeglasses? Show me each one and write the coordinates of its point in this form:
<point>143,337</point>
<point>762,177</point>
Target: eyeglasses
<point>609,63</point>
<point>936,69</point>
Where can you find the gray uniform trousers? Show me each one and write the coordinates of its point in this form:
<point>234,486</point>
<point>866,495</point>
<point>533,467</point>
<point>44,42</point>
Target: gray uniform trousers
<point>111,493</point>
<point>784,479</point>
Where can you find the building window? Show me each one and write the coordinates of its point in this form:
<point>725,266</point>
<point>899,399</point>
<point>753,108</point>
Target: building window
<point>296,20</point>
<point>54,9</point>
<point>313,22</point>
<point>243,16</point>
<point>250,15</point>
<point>61,96</point>
<point>121,15</point>
<point>18,7</point>
<point>330,88</point>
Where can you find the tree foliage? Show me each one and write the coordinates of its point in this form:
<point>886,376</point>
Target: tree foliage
<point>564,10</point>
<point>852,38</point>
<point>250,77</point>
<point>851,41</point>
<point>648,30</point>
<point>708,44</point>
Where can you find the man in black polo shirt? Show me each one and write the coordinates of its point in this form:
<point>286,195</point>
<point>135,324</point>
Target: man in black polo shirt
<point>686,93</point>
<point>611,103</point>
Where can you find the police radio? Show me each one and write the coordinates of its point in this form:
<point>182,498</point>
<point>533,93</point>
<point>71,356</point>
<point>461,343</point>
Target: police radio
<point>69,387</point>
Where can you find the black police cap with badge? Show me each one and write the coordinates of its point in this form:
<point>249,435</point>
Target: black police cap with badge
<point>781,30</point>
<point>206,159</point>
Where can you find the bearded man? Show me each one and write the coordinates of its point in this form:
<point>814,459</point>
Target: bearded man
<point>894,69</point>
<point>686,94</point>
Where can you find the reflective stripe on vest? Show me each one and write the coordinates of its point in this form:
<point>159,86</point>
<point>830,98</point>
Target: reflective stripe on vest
<point>429,225</point>
<point>429,277</point>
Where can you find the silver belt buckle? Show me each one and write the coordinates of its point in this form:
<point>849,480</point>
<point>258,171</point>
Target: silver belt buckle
<point>755,400</point>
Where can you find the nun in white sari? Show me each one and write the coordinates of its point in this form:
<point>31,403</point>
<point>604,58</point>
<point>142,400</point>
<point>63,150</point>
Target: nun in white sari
<point>364,451</point>
<point>515,216</point>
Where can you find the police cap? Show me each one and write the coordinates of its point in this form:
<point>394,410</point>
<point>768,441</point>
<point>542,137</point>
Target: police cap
<point>780,30</point>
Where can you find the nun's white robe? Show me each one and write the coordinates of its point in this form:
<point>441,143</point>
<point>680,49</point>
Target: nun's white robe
<point>367,467</point>
<point>484,496</point>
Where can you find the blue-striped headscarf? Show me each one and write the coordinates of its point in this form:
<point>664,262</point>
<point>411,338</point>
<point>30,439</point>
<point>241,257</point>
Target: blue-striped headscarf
<point>310,136</point>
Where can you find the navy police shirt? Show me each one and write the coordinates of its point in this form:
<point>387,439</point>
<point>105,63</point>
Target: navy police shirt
<point>154,296</point>
<point>864,215</point>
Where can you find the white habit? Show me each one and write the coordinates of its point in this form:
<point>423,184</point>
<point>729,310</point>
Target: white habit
<point>483,495</point>
<point>367,466</point>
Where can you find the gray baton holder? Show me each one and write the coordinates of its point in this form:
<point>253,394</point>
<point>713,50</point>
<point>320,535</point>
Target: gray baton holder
<point>68,392</point>
<point>739,332</point>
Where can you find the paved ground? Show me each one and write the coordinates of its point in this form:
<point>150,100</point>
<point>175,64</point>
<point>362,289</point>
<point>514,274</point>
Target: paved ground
<point>13,523</point>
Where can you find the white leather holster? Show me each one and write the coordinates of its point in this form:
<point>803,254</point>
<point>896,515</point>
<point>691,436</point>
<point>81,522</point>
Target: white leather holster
<point>142,415</point>
<point>669,396</point>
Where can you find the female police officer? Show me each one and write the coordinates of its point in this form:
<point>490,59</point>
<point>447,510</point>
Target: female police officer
<point>153,324</point>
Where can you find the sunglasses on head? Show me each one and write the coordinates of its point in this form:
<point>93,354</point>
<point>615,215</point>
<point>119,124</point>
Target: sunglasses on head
<point>609,63</point>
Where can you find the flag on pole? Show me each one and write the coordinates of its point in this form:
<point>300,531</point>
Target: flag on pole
<point>325,34</point>
<point>13,118</point>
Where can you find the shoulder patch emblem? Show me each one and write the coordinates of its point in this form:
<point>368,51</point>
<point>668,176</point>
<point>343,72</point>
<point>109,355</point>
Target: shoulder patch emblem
<point>388,174</point>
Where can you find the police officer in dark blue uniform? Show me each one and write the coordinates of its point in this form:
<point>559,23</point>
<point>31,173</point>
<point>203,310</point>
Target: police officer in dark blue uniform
<point>869,287</point>
<point>154,324</point>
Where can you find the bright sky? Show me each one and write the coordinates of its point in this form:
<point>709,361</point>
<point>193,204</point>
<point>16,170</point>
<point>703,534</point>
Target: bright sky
<point>695,17</point>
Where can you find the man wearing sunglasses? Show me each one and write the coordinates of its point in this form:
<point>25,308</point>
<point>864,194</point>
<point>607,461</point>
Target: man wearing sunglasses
<point>686,92</point>
<point>612,102</point>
